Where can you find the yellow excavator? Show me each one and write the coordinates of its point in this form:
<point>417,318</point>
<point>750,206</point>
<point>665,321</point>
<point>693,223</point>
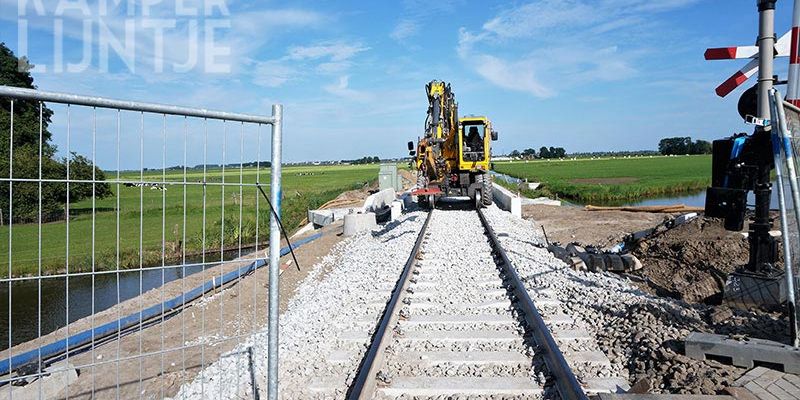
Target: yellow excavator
<point>453,158</point>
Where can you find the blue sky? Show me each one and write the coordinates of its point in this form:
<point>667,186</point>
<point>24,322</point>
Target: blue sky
<point>586,75</point>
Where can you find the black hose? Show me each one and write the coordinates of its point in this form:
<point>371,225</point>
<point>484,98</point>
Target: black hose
<point>280,225</point>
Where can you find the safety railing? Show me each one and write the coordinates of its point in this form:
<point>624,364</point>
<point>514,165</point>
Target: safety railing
<point>134,237</point>
<point>785,148</point>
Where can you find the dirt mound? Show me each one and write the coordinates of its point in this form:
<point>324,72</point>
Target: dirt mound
<point>691,262</point>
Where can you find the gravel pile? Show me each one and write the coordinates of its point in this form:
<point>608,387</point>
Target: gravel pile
<point>641,334</point>
<point>327,325</point>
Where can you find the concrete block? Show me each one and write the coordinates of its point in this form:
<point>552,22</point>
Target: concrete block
<point>435,358</point>
<point>380,199</point>
<point>606,385</point>
<point>743,353</point>
<point>328,216</point>
<point>507,201</point>
<point>356,223</point>
<point>447,319</point>
<point>745,289</point>
<point>60,375</point>
<point>397,209</point>
<point>540,201</point>
<point>492,336</point>
<point>457,387</point>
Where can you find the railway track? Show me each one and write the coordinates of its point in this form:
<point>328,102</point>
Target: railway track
<point>460,323</point>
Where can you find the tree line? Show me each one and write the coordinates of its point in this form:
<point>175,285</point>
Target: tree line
<point>624,153</point>
<point>666,146</point>
<point>683,145</point>
<point>544,152</point>
<point>363,160</point>
<point>26,160</point>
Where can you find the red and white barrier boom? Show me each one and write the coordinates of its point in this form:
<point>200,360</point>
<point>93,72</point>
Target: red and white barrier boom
<point>751,52</point>
<point>793,89</point>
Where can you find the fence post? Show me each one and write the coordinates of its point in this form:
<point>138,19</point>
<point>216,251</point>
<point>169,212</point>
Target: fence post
<point>274,253</point>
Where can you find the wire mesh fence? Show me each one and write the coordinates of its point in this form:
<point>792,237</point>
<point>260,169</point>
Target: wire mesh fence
<point>134,237</point>
<point>785,148</point>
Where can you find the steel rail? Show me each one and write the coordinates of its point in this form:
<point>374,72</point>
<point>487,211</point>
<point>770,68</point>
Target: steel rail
<point>91,101</point>
<point>566,382</point>
<point>363,385</point>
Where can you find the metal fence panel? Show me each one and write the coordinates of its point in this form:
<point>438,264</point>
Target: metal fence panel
<point>135,237</point>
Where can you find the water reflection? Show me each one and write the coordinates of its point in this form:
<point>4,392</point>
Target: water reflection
<point>25,299</point>
<point>699,199</point>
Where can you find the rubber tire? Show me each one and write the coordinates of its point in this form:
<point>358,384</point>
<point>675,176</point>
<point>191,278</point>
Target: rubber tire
<point>478,195</point>
<point>384,214</point>
<point>486,191</point>
<point>422,202</point>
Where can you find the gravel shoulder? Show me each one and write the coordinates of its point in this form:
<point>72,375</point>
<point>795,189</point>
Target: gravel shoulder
<point>340,296</point>
<point>640,333</point>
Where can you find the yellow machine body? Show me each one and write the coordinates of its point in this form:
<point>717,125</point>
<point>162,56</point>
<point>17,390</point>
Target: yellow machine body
<point>453,156</point>
<point>476,158</point>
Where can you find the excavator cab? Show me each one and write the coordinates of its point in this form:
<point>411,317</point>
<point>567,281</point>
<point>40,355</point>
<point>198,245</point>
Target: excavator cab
<point>474,143</point>
<point>472,149</point>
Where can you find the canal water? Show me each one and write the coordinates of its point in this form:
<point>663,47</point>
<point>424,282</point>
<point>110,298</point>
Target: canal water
<point>25,299</point>
<point>694,199</point>
<point>699,199</point>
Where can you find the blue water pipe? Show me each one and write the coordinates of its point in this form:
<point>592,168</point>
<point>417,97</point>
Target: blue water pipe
<point>77,340</point>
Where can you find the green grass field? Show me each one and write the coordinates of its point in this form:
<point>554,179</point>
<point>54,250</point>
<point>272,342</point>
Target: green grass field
<point>614,181</point>
<point>159,214</point>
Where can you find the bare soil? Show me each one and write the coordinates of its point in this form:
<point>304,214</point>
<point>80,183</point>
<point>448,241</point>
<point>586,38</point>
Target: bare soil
<point>691,262</point>
<point>565,224</point>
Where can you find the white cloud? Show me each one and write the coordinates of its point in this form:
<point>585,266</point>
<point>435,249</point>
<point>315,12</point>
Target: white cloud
<point>520,76</point>
<point>550,16</point>
<point>328,58</point>
<point>417,13</point>
<point>342,89</point>
<point>273,73</point>
<point>255,23</point>
<point>338,51</point>
<point>404,29</point>
<point>543,46</point>
<point>545,15</point>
